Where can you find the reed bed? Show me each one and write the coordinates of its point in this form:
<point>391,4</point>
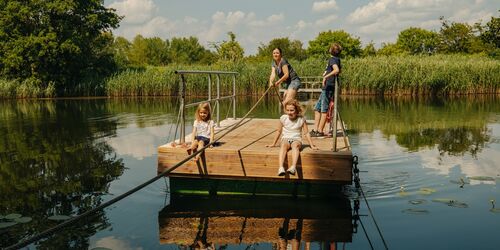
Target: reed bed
<point>378,75</point>
<point>381,75</point>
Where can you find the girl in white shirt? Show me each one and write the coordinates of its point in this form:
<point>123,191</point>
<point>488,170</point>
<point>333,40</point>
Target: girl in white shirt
<point>291,127</point>
<point>203,129</point>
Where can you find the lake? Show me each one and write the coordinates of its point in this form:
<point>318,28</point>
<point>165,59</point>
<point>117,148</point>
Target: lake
<point>430,169</point>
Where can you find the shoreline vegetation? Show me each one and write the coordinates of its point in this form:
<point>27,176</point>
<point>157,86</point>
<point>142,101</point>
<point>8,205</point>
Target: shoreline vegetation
<point>419,75</point>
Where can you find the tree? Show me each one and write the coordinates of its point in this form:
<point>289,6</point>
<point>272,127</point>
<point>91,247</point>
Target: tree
<point>351,46</point>
<point>58,41</point>
<point>418,41</point>
<point>291,49</point>
<point>138,51</point>
<point>121,48</point>
<point>369,50</point>
<point>229,50</point>
<point>157,51</point>
<point>390,49</point>
<point>490,34</point>
<point>188,51</point>
<point>455,37</point>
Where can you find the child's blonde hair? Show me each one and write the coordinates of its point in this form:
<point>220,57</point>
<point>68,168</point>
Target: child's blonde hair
<point>205,106</point>
<point>296,104</point>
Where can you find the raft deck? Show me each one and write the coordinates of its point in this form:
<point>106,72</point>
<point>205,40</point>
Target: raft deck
<point>243,155</point>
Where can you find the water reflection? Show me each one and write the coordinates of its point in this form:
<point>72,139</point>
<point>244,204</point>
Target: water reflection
<point>203,222</point>
<point>455,126</point>
<point>54,162</point>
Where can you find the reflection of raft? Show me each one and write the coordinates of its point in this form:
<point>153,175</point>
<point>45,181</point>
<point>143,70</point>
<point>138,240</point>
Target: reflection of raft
<point>233,220</point>
<point>243,156</point>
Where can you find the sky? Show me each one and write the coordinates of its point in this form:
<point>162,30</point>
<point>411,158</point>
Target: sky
<point>256,22</point>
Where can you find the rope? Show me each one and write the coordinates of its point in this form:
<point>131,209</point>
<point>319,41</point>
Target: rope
<point>131,191</point>
<point>373,217</point>
<point>360,190</point>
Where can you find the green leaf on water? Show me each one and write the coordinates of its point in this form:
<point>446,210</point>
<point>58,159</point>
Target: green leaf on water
<point>23,219</point>
<point>426,191</point>
<point>415,211</point>
<point>403,193</point>
<point>482,178</point>
<point>417,201</point>
<point>495,210</point>
<point>12,216</point>
<point>59,217</point>
<point>451,202</point>
<point>7,224</point>
<point>101,248</point>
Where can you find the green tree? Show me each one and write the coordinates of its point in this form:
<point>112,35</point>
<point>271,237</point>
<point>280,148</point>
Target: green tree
<point>369,50</point>
<point>138,51</point>
<point>291,49</point>
<point>57,42</point>
<point>455,37</point>
<point>390,49</point>
<point>121,48</point>
<point>157,52</point>
<point>351,46</point>
<point>189,50</point>
<point>230,50</point>
<point>491,32</point>
<point>418,41</point>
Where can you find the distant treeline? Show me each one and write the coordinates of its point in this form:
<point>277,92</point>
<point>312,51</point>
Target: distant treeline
<point>60,49</point>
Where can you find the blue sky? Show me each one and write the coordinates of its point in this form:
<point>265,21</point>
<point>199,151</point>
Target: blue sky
<point>258,21</point>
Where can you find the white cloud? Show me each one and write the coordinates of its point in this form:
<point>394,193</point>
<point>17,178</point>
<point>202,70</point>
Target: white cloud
<point>134,11</point>
<point>326,21</point>
<point>382,20</point>
<point>324,6</point>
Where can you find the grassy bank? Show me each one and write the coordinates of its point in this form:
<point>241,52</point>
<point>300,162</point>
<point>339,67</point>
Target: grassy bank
<point>408,75</point>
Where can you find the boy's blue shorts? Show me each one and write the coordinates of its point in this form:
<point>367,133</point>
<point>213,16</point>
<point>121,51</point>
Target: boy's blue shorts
<point>324,100</point>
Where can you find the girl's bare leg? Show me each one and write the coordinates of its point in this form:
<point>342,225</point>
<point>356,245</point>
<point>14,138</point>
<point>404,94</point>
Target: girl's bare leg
<point>295,153</point>
<point>317,117</point>
<point>201,144</point>
<point>192,148</point>
<point>283,150</point>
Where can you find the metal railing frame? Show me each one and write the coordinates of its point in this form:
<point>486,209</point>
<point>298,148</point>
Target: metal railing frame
<point>218,98</point>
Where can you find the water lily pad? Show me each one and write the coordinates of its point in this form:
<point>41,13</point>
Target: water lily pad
<point>451,202</point>
<point>7,224</point>
<point>482,178</point>
<point>426,191</point>
<point>415,211</point>
<point>417,201</point>
<point>13,216</point>
<point>101,248</point>
<point>59,217</point>
<point>403,193</point>
<point>495,210</point>
<point>23,219</point>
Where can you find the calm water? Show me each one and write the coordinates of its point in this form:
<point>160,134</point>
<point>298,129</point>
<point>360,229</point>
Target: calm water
<point>430,171</point>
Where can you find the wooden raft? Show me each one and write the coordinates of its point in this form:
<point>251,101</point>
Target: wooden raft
<point>243,155</point>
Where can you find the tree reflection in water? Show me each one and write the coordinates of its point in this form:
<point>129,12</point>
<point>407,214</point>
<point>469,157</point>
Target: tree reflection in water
<point>53,161</point>
<point>455,126</point>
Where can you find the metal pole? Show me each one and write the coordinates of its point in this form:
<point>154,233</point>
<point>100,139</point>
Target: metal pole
<point>217,101</point>
<point>183,115</point>
<point>334,115</point>
<point>234,97</point>
<point>209,87</point>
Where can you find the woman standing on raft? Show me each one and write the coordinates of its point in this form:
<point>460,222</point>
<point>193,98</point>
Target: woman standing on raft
<point>287,76</point>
